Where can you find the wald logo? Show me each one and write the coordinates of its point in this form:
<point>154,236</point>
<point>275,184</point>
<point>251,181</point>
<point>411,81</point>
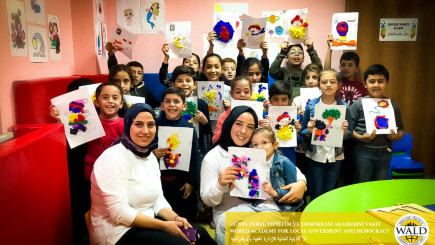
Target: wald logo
<point>411,229</point>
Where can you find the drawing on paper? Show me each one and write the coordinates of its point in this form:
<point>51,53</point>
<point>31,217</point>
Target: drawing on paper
<point>381,122</point>
<point>224,31</point>
<point>254,183</point>
<point>54,36</point>
<point>35,6</point>
<point>189,113</point>
<point>331,115</point>
<point>321,128</point>
<point>77,116</point>
<point>18,35</point>
<point>414,28</point>
<point>259,94</point>
<point>171,160</point>
<point>128,14</point>
<point>153,11</point>
<point>297,28</point>
<point>254,34</point>
<point>272,19</point>
<point>383,29</point>
<point>342,30</point>
<point>38,41</point>
<point>285,131</point>
<point>210,95</point>
<point>241,163</point>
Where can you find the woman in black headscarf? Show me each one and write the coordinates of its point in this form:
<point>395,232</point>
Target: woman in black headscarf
<point>126,190</point>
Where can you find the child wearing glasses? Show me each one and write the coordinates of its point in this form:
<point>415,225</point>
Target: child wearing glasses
<point>295,57</point>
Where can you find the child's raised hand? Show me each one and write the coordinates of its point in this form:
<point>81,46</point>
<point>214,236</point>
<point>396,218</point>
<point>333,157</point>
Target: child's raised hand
<point>309,43</point>
<point>345,126</point>
<point>265,123</point>
<point>267,187</point>
<point>240,45</point>
<point>329,40</point>
<point>159,153</point>
<point>264,46</point>
<point>284,47</point>
<point>227,104</point>
<point>298,126</point>
<point>231,186</point>
<point>200,117</point>
<point>266,104</point>
<point>311,124</point>
<point>188,189</point>
<point>393,136</point>
<point>165,49</point>
<point>211,36</point>
<point>54,113</point>
<point>301,112</point>
<point>110,48</point>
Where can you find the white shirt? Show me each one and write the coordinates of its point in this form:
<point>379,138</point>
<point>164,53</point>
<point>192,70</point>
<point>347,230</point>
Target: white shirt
<point>122,185</point>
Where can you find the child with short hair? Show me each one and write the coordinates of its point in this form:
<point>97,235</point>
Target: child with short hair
<point>229,70</point>
<point>178,185</point>
<point>372,154</point>
<point>295,57</point>
<point>324,161</point>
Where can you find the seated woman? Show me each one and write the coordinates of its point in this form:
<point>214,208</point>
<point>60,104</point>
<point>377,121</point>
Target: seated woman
<point>127,193</point>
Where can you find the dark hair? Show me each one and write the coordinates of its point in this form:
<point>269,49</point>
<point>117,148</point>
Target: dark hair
<point>117,68</point>
<point>179,70</point>
<point>296,45</point>
<point>202,76</point>
<point>175,90</point>
<point>350,56</point>
<point>100,87</point>
<point>135,64</point>
<point>249,62</point>
<point>197,57</point>
<point>238,79</point>
<point>74,85</point>
<point>377,69</point>
<point>281,87</point>
<point>311,67</point>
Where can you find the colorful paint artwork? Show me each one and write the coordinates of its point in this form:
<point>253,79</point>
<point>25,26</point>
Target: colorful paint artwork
<point>274,24</point>
<point>251,172</point>
<point>296,25</point>
<point>253,31</point>
<point>189,113</point>
<point>131,100</point>
<point>35,11</point>
<point>54,36</point>
<point>178,36</point>
<point>328,130</point>
<point>239,9</point>
<point>224,31</point>
<point>398,29</point>
<point>344,31</point>
<point>379,115</point>
<point>259,92</point>
<point>153,16</point>
<point>212,93</point>
<point>128,13</point>
<point>98,39</point>
<point>123,40</point>
<point>178,144</point>
<point>283,120</point>
<point>38,49</point>
<point>100,10</point>
<point>17,31</point>
<point>104,39</point>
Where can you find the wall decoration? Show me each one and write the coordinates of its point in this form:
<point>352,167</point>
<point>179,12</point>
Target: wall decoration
<point>272,52</point>
<point>123,41</point>
<point>35,11</point>
<point>253,31</point>
<point>344,31</point>
<point>401,29</point>
<point>238,8</point>
<point>104,39</point>
<point>255,105</point>
<point>212,93</point>
<point>282,120</point>
<point>179,40</point>
<point>79,117</point>
<point>329,120</point>
<point>98,39</point>
<point>129,15</point>
<point>296,25</point>
<point>100,9</point>
<point>17,31</point>
<point>379,115</point>
<point>38,49</point>
<point>189,113</point>
<point>54,36</point>
<point>307,94</point>
<point>178,142</point>
<point>153,16</point>
<point>274,24</point>
<point>131,100</point>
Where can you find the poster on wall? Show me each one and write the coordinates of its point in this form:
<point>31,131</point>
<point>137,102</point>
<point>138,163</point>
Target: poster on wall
<point>35,11</point>
<point>100,10</point>
<point>153,16</point>
<point>238,8</point>
<point>344,31</point>
<point>104,37</point>
<point>128,15</point>
<point>98,39</point>
<point>123,41</point>
<point>272,52</point>
<point>38,48</point>
<point>274,24</point>
<point>17,31</point>
<point>179,39</point>
<point>253,31</point>
<point>398,29</point>
<point>54,36</point>
<point>296,25</point>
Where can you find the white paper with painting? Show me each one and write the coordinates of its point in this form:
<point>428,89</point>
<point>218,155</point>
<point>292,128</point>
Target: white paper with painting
<point>296,25</point>
<point>238,8</point>
<point>35,11</point>
<point>344,31</point>
<point>54,37</point>
<point>379,115</point>
<point>153,16</point>
<point>178,142</point>
<point>251,165</point>
<point>104,39</point>
<point>307,94</point>
<point>179,40</point>
<point>260,92</point>
<point>131,100</point>
<point>92,88</point>
<point>224,24</point>
<point>329,125</point>
<point>123,41</point>
<point>100,9</point>
<point>227,50</point>
<point>128,15</point>
<point>282,121</point>
<point>79,117</point>
<point>272,52</point>
<point>38,48</point>
<point>189,113</point>
<point>98,39</point>
<point>255,105</point>
<point>275,24</point>
<point>253,31</point>
<point>213,94</point>
<point>16,15</point>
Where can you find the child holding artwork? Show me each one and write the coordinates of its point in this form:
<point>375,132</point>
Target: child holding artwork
<point>178,185</point>
<point>256,71</point>
<point>372,154</point>
<point>295,58</point>
<point>324,161</point>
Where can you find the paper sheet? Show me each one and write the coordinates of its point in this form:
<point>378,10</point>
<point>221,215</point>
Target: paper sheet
<point>213,94</point>
<point>282,120</point>
<point>17,28</point>
<point>86,125</point>
<point>123,40</point>
<point>255,105</point>
<point>131,100</point>
<point>153,16</point>
<point>253,31</point>
<point>178,142</point>
<point>329,121</point>
<point>296,32</point>
<point>35,11</point>
<point>224,50</point>
<point>100,9</point>
<point>38,49</point>
<point>275,23</point>
<point>54,37</point>
<point>189,113</point>
<point>307,94</point>
<point>344,31</point>
<point>179,40</point>
<point>260,92</point>
<point>272,52</point>
<point>252,173</point>
<point>91,89</point>
<point>238,8</point>
<point>128,15</point>
<point>98,39</point>
<point>379,115</point>
<point>104,39</point>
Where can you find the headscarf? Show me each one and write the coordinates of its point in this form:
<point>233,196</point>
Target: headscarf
<point>125,139</point>
<point>225,140</point>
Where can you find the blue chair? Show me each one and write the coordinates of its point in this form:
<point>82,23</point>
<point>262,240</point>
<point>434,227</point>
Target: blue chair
<point>402,161</point>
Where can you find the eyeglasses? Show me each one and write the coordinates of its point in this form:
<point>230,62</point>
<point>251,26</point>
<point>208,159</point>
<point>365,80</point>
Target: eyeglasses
<point>296,51</point>
<point>264,143</point>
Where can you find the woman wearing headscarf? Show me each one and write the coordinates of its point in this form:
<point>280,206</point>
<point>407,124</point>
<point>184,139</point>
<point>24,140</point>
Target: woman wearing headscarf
<point>127,193</point>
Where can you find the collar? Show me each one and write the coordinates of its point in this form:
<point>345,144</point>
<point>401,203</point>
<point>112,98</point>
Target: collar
<point>141,84</point>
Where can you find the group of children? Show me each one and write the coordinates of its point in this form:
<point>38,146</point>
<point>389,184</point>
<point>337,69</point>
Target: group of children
<point>369,154</point>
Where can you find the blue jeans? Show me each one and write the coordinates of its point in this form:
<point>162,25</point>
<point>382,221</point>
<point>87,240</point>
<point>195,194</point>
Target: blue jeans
<point>371,164</point>
<point>322,177</point>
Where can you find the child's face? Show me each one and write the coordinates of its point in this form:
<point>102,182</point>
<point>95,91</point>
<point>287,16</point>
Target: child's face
<point>254,74</point>
<point>242,129</point>
<point>242,91</point>
<point>280,100</point>
<point>173,106</point>
<point>192,62</point>
<point>212,69</point>
<point>311,79</point>
<point>109,102</point>
<point>185,82</point>
<point>137,75</point>
<point>143,129</point>
<point>376,85</point>
<point>260,141</point>
<point>229,70</point>
<point>328,84</point>
<point>295,56</point>
<point>348,69</point>
<point>122,79</point>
